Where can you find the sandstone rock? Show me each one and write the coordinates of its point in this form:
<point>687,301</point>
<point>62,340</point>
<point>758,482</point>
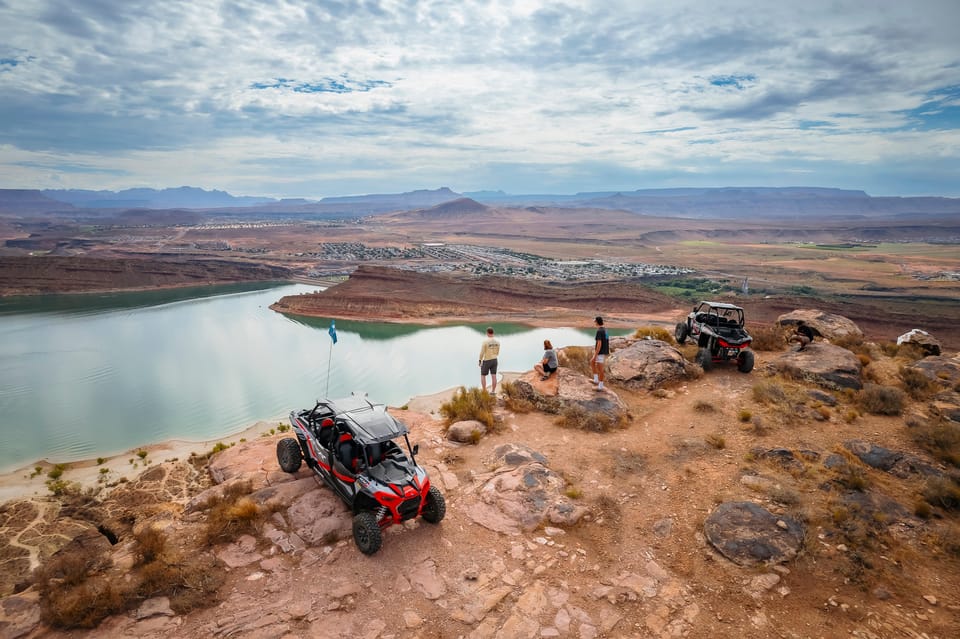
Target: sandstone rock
<point>824,364</point>
<point>522,493</point>
<point>748,534</point>
<point>923,340</point>
<point>943,370</point>
<point>647,364</point>
<point>573,390</point>
<point>153,607</point>
<point>320,517</point>
<point>946,405</point>
<point>255,460</point>
<point>19,614</point>
<point>827,325</point>
<point>894,462</point>
<point>466,432</point>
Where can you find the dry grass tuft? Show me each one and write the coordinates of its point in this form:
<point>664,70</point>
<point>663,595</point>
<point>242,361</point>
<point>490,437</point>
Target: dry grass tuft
<point>473,403</point>
<point>940,438</point>
<point>151,545</point>
<point>654,332</point>
<point>579,418</point>
<point>768,338</point>
<point>943,492</point>
<point>576,358</point>
<point>232,515</point>
<point>703,406</point>
<point>769,391</point>
<point>513,401</point>
<point>716,440</point>
<point>917,385</point>
<point>881,400</point>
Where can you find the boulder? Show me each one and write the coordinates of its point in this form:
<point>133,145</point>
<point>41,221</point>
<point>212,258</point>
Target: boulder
<point>946,405</point>
<point>521,493</point>
<point>824,364</point>
<point>570,389</point>
<point>826,325</point>
<point>894,462</point>
<point>941,369</point>
<point>647,364</point>
<point>463,432</point>
<point>748,534</point>
<point>926,342</point>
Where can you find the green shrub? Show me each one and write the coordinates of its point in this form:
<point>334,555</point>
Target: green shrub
<point>473,403</point>
<point>57,471</point>
<point>881,400</point>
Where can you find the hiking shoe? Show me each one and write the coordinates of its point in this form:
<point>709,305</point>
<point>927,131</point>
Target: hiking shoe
<point>544,378</point>
<point>599,389</point>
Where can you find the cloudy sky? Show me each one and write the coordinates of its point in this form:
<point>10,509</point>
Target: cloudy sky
<point>300,98</point>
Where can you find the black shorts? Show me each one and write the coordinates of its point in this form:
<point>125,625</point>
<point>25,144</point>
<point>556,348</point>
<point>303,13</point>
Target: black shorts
<point>547,368</point>
<point>488,367</point>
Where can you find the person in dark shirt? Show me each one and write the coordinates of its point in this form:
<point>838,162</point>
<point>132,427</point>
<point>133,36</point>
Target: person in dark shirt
<point>601,349</point>
<point>803,335</point>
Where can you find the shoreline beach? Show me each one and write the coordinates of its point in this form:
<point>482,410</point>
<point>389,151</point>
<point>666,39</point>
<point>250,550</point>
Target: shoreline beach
<point>24,482</point>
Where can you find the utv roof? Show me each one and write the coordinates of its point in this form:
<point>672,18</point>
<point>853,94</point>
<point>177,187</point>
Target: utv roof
<point>724,305</point>
<point>370,423</point>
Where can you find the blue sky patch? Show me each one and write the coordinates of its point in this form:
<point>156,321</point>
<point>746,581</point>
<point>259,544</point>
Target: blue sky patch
<point>940,111</point>
<point>343,84</point>
<point>735,81</point>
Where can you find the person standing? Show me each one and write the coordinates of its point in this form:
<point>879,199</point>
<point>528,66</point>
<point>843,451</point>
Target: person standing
<point>601,349</point>
<point>489,351</point>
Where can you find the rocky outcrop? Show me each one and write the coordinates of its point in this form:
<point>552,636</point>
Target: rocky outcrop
<point>522,493</point>
<point>941,369</point>
<point>894,462</point>
<point>568,389</point>
<point>824,364</point>
<point>748,534</point>
<point>647,364</point>
<point>927,343</point>
<point>946,405</point>
<point>826,325</point>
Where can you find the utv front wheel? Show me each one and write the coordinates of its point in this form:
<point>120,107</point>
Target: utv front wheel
<point>367,533</point>
<point>745,361</point>
<point>681,332</point>
<point>288,455</point>
<point>435,507</point>
<point>705,359</point>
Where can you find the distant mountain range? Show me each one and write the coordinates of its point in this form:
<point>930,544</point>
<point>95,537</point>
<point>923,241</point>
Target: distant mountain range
<point>728,202</point>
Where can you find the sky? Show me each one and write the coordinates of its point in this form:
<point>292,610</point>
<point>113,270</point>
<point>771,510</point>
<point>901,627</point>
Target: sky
<point>315,98</point>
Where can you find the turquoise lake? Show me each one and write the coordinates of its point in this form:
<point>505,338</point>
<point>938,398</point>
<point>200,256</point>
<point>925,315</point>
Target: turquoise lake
<point>85,376</point>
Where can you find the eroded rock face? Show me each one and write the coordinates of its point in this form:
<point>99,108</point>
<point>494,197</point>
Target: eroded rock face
<point>748,534</point>
<point>824,364</point>
<point>827,325</point>
<point>941,369</point>
<point>946,405</point>
<point>522,493</point>
<point>566,389</point>
<point>646,364</point>
<point>926,342</point>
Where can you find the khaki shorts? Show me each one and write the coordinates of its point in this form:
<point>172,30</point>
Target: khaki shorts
<point>600,359</point>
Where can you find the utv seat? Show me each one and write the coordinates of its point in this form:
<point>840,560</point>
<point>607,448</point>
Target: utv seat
<point>347,452</point>
<point>325,432</point>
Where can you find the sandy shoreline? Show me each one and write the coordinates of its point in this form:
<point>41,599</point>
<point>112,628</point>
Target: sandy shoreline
<point>25,482</point>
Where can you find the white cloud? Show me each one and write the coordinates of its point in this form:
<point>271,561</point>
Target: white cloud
<point>525,96</point>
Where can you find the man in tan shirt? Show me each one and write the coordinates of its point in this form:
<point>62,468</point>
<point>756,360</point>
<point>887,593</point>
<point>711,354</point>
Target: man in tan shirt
<point>489,351</point>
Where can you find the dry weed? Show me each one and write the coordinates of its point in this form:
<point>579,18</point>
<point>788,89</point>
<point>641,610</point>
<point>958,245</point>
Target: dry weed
<point>654,332</point>
<point>768,338</point>
<point>473,403</point>
<point>881,400</point>
<point>579,418</point>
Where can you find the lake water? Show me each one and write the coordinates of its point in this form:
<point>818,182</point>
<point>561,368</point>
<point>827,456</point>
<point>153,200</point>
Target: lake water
<point>86,376</point>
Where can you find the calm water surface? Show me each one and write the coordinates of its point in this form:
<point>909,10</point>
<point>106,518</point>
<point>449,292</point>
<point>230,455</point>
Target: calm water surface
<point>89,376</point>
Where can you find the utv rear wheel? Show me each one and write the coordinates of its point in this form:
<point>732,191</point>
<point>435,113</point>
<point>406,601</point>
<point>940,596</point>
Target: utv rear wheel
<point>745,361</point>
<point>435,508</point>
<point>367,533</point>
<point>705,359</point>
<point>681,332</point>
<point>288,455</point>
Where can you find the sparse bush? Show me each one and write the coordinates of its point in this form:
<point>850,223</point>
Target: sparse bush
<point>654,332</point>
<point>576,358</point>
<point>917,385</point>
<point>850,342</point>
<point>941,439</point>
<point>101,461</point>
<point>573,492</point>
<point>57,471</point>
<point>864,360</point>
<point>889,348</point>
<point>850,415</point>
<point>823,411</point>
<point>757,426</point>
<point>943,492</point>
<point>473,403</point>
<point>142,454</point>
<point>745,415</point>
<point>703,406</point>
<point>627,463</point>
<point>881,400</point>
<point>769,391</point>
<point>151,545</point>
<point>852,477</point>
<point>768,338</point>
<point>72,594</point>
<point>219,446</point>
<point>922,509</point>
<point>948,539</point>
<point>514,401</point>
<point>716,440</point>
<point>579,418</point>
<point>232,515</point>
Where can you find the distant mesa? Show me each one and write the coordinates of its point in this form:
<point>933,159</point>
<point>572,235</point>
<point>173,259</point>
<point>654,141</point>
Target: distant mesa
<point>460,206</point>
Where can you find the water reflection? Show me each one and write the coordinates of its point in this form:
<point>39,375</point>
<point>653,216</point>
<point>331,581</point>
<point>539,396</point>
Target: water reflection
<point>80,382</point>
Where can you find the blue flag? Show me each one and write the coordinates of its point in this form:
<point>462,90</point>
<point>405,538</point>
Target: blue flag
<point>333,332</point>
